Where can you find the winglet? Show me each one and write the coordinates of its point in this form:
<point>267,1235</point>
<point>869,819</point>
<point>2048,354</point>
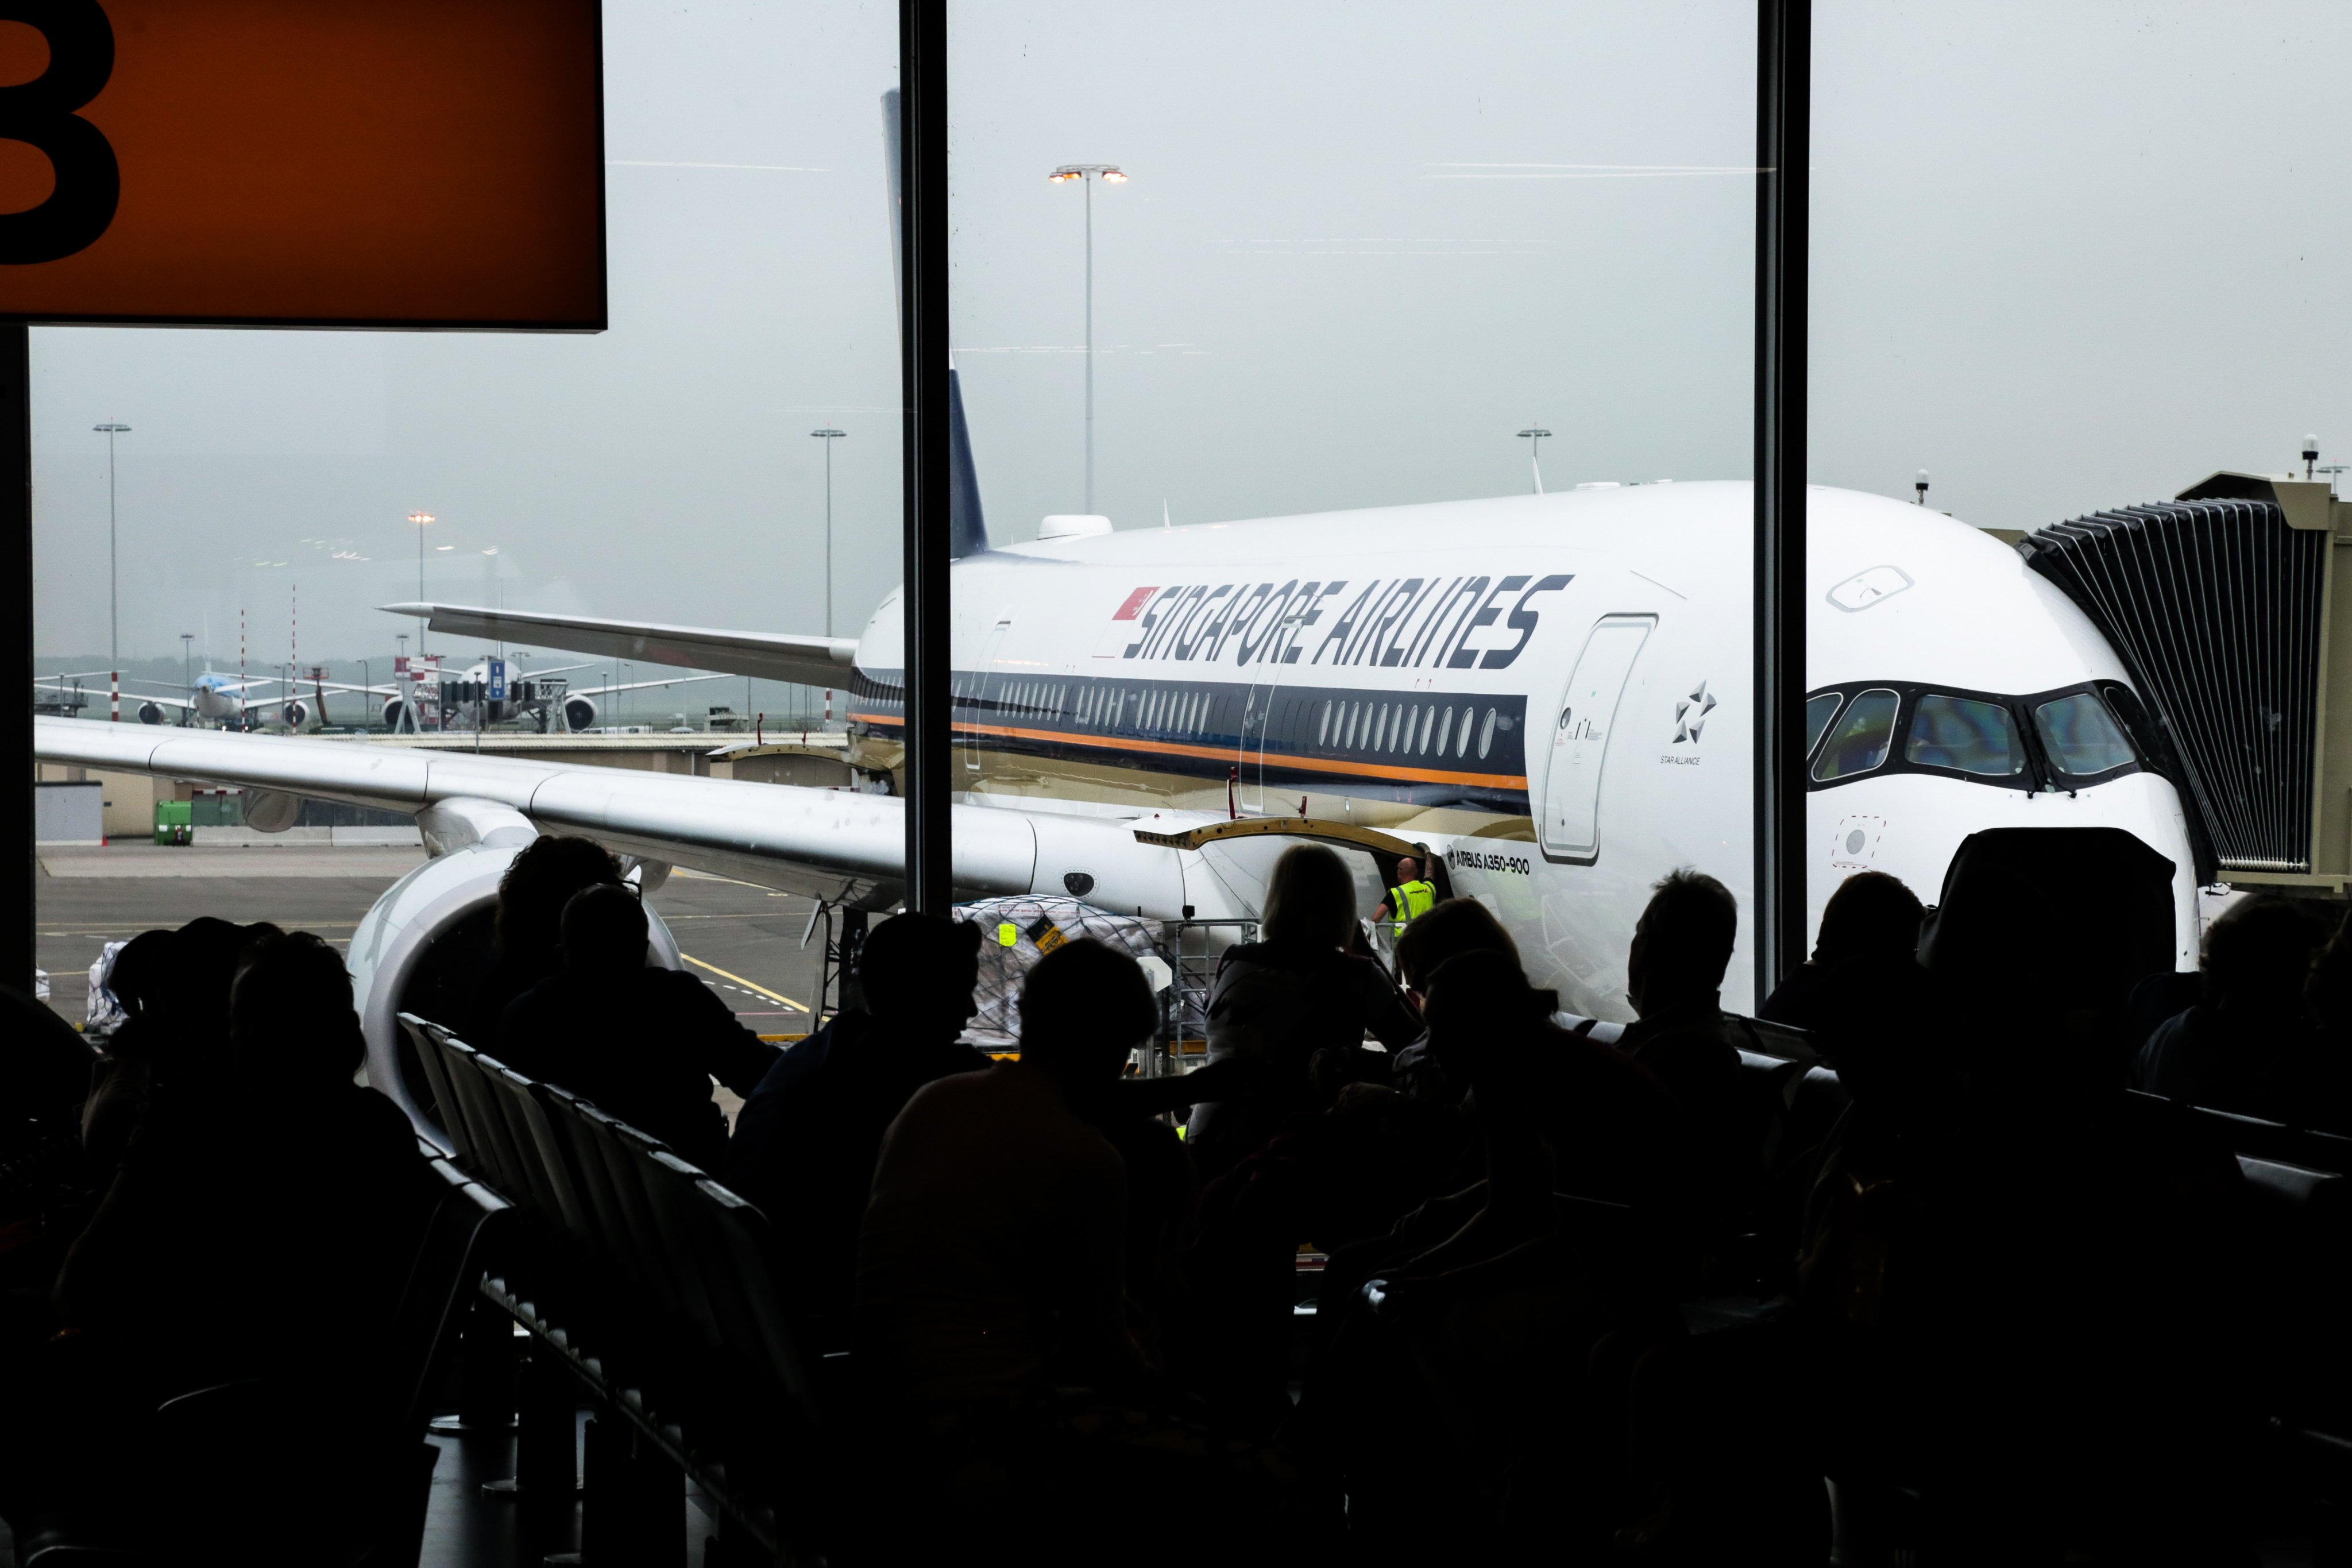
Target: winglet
<point>967,526</point>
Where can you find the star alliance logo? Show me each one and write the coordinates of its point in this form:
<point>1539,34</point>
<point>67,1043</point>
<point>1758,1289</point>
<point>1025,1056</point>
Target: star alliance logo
<point>1690,714</point>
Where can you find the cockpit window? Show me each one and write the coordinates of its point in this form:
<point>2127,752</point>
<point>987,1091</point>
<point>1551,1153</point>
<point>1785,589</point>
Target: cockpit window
<point>2081,736</point>
<point>1965,735</point>
<point>1861,740</point>
<point>1819,711</point>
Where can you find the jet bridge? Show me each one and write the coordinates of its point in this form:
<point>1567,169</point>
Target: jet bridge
<point>2223,604</point>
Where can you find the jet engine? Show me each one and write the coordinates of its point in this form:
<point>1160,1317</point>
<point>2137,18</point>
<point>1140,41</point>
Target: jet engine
<point>153,713</point>
<point>426,944</point>
<point>295,715</point>
<point>579,713</point>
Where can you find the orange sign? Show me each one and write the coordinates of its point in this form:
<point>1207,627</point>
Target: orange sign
<point>303,163</point>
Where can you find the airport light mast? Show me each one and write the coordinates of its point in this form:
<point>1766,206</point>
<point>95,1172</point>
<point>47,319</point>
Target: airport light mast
<point>1920,485</point>
<point>110,429</point>
<point>828,435</point>
<point>1534,436</point>
<point>1085,174</point>
<point>422,520</point>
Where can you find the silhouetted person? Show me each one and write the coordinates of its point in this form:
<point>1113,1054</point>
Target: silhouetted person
<point>2257,958</point>
<point>174,991</point>
<point>808,1135</point>
<point>527,940</point>
<point>989,1265</point>
<point>641,1044</point>
<point>1279,1001</point>
<point>1872,920</point>
<point>284,1162</point>
<point>1456,926</point>
<point>2310,1083</point>
<point>1682,945</point>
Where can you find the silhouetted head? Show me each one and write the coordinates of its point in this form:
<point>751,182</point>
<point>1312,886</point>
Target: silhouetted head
<point>1407,871</point>
<point>146,971</point>
<point>1312,900</point>
<point>1682,944</point>
<point>604,930</point>
<point>2258,955</point>
<point>1479,1008</point>
<point>1083,1009</point>
<point>1456,926</point>
<point>291,1024</point>
<point>919,972</point>
<point>537,884</point>
<point>1871,915</point>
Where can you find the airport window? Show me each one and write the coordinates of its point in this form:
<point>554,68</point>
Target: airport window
<point>1819,711</point>
<point>1486,734</point>
<point>2081,737</point>
<point>1965,735</point>
<point>1861,739</point>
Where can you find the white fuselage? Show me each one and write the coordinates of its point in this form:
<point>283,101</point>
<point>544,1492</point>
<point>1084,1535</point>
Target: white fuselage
<point>1554,692</point>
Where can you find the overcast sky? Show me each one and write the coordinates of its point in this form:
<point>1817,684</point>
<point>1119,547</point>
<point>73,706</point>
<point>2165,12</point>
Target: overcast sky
<point>2064,256</point>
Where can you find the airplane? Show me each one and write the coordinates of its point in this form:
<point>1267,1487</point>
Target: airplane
<point>1551,693</point>
<point>221,699</point>
<point>538,697</point>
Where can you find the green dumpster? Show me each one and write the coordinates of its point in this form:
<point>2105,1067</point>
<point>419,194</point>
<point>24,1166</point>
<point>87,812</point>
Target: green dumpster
<point>175,822</point>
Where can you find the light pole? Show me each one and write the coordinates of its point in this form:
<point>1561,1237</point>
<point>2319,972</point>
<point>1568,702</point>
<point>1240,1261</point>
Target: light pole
<point>422,520</point>
<point>187,660</point>
<point>110,429</point>
<point>828,435</point>
<point>1085,174</point>
<point>1534,436</point>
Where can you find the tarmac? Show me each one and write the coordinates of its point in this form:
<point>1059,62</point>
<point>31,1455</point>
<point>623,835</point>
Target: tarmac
<point>743,940</point>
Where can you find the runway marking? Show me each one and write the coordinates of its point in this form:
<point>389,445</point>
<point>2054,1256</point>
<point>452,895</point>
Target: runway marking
<point>747,984</point>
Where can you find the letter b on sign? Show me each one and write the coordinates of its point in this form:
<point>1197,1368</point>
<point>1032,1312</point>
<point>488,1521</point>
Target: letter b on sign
<point>42,113</point>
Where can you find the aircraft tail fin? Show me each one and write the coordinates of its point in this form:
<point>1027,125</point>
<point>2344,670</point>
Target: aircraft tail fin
<point>967,526</point>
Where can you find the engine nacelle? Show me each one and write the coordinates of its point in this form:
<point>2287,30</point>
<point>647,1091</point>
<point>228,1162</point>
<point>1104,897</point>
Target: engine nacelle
<point>579,713</point>
<point>294,715</point>
<point>393,708</point>
<point>153,713</point>
<point>426,944</point>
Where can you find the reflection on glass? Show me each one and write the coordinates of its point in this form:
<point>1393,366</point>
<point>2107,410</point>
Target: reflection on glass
<point>2081,736</point>
<point>1861,739</point>
<point>1966,735</point>
<point>1819,711</point>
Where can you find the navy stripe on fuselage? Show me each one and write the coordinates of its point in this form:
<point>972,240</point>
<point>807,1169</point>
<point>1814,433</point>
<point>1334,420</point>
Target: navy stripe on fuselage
<point>1429,748</point>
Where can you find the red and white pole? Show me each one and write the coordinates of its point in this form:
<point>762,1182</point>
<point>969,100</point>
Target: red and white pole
<point>114,696</point>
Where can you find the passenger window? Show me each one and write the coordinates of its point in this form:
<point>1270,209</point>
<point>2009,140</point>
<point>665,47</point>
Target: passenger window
<point>1445,732</point>
<point>1966,735</point>
<point>1819,711</point>
<point>1323,729</point>
<point>1860,741</point>
<point>2081,736</point>
<point>1485,734</point>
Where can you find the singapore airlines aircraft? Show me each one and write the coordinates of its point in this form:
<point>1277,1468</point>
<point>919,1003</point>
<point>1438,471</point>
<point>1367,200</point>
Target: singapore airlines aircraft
<point>1552,693</point>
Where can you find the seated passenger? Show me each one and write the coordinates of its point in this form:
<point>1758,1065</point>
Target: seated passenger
<point>990,1264</point>
<point>1682,945</point>
<point>1280,1001</point>
<point>2257,958</point>
<point>807,1137</point>
<point>527,940</point>
<point>1872,920</point>
<point>2310,1083</point>
<point>179,1278</point>
<point>641,1044</point>
<point>174,987</point>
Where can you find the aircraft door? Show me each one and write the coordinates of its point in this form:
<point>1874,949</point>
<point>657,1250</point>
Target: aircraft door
<point>1579,737</point>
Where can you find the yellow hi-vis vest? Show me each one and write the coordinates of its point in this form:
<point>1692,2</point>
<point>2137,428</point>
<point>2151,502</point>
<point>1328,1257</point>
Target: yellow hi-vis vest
<point>1408,902</point>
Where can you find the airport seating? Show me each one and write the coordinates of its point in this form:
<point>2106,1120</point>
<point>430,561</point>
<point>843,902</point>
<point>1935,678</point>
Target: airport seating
<point>354,1491</point>
<point>659,1292</point>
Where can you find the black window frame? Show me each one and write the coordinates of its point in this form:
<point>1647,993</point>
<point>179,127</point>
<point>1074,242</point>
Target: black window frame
<point>2041,775</point>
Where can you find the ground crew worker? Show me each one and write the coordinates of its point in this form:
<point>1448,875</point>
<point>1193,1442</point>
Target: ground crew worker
<point>1410,899</point>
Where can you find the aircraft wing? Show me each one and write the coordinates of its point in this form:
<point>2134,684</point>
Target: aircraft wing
<point>833,844</point>
<point>95,693</point>
<point>769,656</point>
<point>642,685</point>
